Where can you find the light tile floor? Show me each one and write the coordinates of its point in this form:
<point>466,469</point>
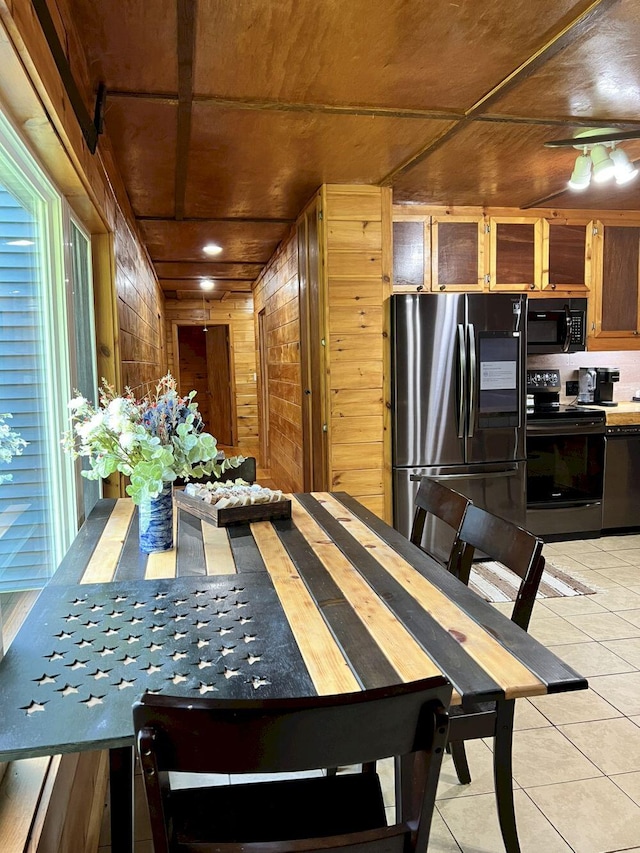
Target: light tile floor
<point>576,755</point>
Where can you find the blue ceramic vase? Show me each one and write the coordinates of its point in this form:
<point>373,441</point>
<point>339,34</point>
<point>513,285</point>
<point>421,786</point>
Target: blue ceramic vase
<point>156,522</point>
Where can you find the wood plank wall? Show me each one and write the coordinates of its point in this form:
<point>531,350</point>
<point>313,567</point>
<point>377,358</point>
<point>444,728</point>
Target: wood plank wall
<point>358,282</point>
<point>55,804</point>
<point>277,293</point>
<point>237,313</point>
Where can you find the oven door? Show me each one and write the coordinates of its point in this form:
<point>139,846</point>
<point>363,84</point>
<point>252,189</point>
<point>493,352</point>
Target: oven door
<point>565,468</point>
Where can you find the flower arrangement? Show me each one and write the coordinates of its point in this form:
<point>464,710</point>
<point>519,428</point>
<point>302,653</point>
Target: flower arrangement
<point>153,440</point>
<point>11,444</point>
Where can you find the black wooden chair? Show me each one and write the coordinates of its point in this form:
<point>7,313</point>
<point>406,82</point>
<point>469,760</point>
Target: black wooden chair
<point>439,501</point>
<point>321,812</point>
<point>521,552</point>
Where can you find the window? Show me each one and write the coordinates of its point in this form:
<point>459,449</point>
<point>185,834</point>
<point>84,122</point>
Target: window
<point>42,289</point>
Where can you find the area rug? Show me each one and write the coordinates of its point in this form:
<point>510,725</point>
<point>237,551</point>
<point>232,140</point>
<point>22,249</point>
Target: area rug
<point>491,581</point>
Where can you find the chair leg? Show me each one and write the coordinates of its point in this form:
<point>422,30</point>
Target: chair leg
<point>460,762</point>
<point>503,776</point>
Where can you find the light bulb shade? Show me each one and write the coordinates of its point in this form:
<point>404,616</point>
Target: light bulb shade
<point>603,166</point>
<point>625,170</point>
<point>581,175</point>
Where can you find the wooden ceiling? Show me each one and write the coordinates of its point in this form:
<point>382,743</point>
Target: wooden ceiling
<point>225,116</point>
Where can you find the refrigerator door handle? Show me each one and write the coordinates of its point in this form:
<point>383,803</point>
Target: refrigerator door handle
<point>462,380</point>
<point>472,379</point>
<point>491,475</point>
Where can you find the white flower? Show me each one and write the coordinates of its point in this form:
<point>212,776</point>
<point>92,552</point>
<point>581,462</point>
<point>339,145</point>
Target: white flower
<point>88,429</point>
<point>128,437</point>
<point>77,403</point>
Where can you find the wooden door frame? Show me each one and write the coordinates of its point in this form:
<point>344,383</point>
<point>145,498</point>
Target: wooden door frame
<point>263,388</point>
<point>175,324</point>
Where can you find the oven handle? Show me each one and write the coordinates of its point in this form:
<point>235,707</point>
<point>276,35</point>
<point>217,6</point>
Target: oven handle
<point>490,475</point>
<point>573,428</point>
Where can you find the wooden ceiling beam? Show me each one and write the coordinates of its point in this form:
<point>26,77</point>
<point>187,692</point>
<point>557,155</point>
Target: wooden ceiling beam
<point>187,11</point>
<point>562,39</point>
<point>241,220</point>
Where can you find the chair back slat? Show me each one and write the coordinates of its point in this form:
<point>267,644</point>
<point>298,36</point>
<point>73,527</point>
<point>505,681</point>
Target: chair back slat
<point>513,547</point>
<point>435,499</point>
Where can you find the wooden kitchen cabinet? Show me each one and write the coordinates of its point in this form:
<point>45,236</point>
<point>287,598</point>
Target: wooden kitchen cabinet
<point>516,252</point>
<point>457,253</point>
<point>411,252</point>
<point>569,258</point>
<point>615,314</point>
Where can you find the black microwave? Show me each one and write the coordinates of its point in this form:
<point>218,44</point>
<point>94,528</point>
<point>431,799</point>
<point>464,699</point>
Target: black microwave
<point>556,325</point>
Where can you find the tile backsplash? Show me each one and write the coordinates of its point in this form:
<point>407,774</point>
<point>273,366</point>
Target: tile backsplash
<point>627,362</point>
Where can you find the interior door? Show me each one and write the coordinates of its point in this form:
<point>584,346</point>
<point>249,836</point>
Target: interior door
<point>220,384</point>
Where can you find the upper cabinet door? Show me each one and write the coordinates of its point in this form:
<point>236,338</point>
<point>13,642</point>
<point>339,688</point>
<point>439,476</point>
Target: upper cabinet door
<point>616,306</point>
<point>411,253</point>
<point>457,253</point>
<point>570,256</point>
<point>516,246</point>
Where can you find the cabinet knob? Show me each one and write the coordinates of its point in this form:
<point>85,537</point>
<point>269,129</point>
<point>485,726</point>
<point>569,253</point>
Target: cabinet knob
<point>532,287</point>
<point>442,286</point>
<point>553,287</point>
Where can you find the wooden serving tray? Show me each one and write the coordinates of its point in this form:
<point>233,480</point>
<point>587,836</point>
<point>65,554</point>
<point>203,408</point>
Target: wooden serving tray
<point>232,514</point>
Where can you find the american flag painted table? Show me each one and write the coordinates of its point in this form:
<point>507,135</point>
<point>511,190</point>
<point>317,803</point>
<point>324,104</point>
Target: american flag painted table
<point>330,601</point>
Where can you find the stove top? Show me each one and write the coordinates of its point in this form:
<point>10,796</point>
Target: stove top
<point>565,412</point>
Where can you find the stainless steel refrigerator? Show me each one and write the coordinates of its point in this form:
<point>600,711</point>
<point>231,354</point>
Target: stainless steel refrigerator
<point>459,403</point>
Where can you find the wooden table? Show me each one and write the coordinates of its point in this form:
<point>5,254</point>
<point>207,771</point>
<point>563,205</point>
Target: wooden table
<point>331,601</point>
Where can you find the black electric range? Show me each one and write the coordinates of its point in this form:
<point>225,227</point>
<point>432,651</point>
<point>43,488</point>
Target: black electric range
<point>564,414</point>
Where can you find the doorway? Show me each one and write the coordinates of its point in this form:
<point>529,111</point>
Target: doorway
<point>204,366</point>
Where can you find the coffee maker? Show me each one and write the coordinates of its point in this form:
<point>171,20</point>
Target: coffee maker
<point>603,391</point>
<point>586,386</point>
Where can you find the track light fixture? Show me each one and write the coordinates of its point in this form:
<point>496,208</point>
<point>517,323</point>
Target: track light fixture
<point>600,160</point>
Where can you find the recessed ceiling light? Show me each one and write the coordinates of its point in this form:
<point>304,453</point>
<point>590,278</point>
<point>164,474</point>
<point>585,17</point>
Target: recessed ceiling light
<point>212,249</point>
<point>19,243</point>
<point>207,284</point>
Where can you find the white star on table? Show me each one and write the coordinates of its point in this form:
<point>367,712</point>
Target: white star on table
<point>33,707</point>
<point>92,701</point>
<point>96,607</point>
<point>123,684</point>
<point>68,689</point>
<point>154,647</point>
<point>179,617</point>
<point>244,619</point>
<point>223,631</point>
<point>251,659</point>
<point>137,604</point>
<point>157,627</point>
<point>241,604</point>
<point>54,656</point>
<point>119,598</point>
<point>132,639</point>
<point>199,607</point>
<point>160,595</point>
<point>202,624</point>
<point>100,673</point>
<point>204,664</point>
<point>72,617</point>
<point>157,610</point>
<point>111,632</point>
<point>77,664</point>
<point>128,659</point>
<point>135,620</point>
<point>200,592</point>
<point>230,673</point>
<point>180,601</point>
<point>90,624</point>
<point>82,644</point>
<point>178,656</point>
<point>151,668</point>
<point>259,682</point>
<point>115,614</point>
<point>179,635</point>
<point>206,688</point>
<point>45,679</point>
<point>63,635</point>
<point>201,643</point>
<point>227,650</point>
<point>77,601</point>
<point>236,589</point>
<point>105,650</point>
<point>222,613</point>
<point>177,677</point>
<point>249,638</point>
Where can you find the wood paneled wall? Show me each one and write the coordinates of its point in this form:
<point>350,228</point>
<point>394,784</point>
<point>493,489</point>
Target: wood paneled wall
<point>358,282</point>
<point>276,292</point>
<point>55,804</point>
<point>237,313</point>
